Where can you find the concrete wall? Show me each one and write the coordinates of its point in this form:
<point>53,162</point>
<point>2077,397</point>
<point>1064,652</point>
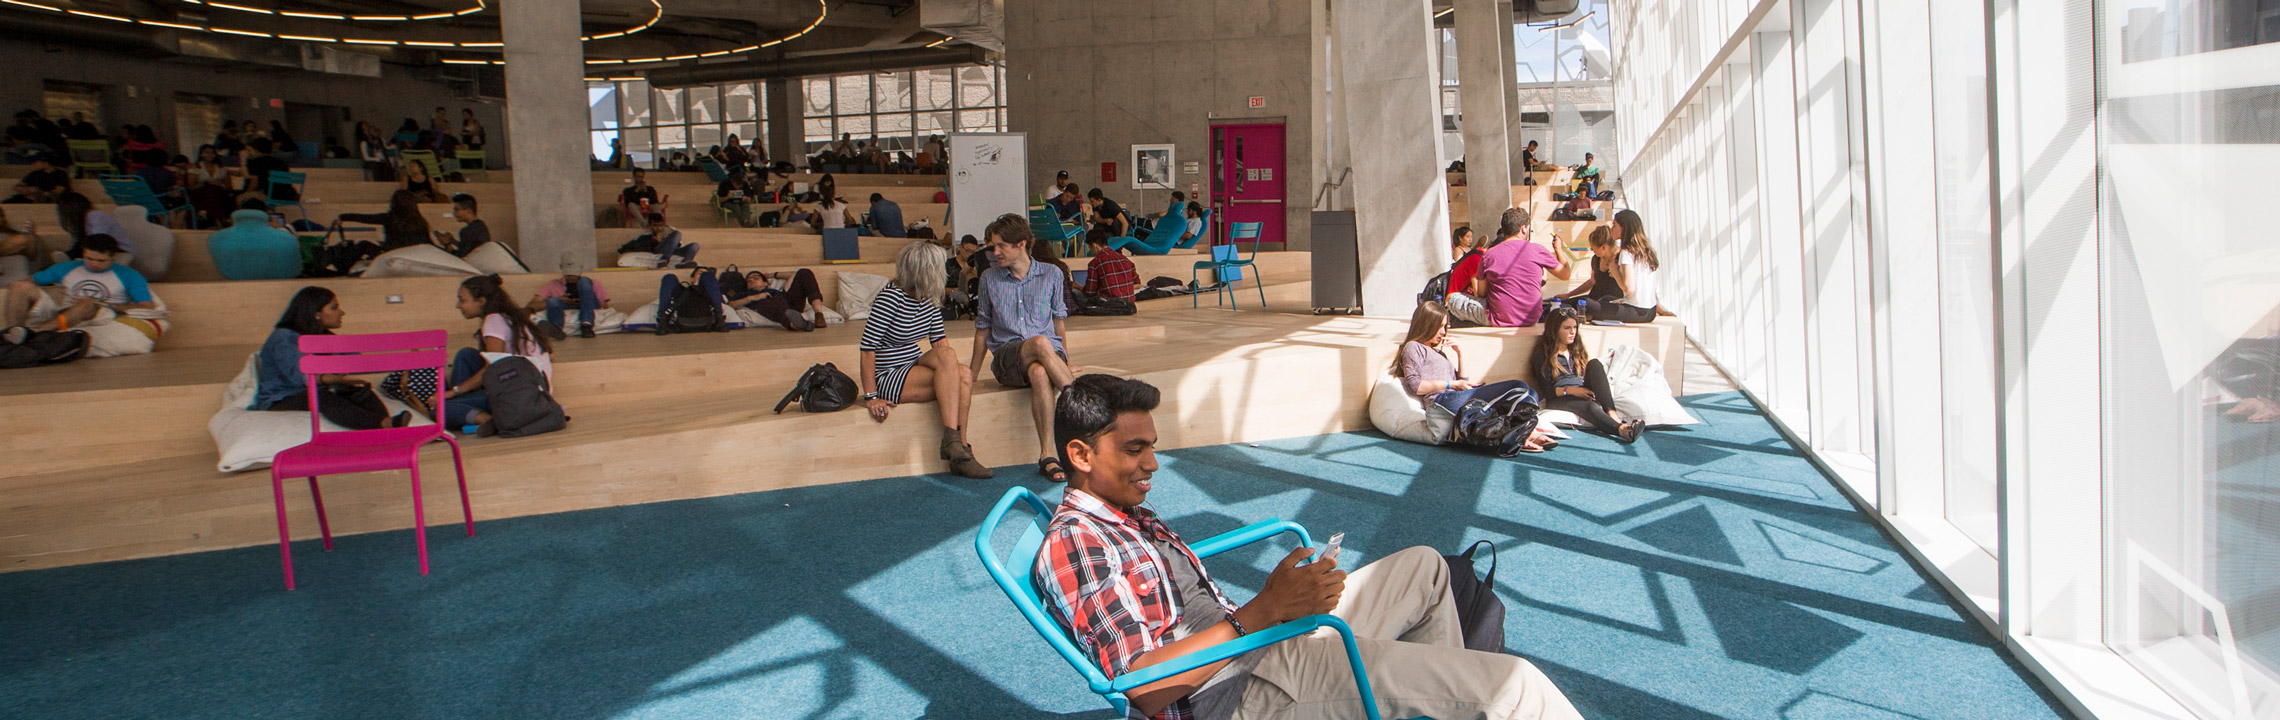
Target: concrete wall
<point>139,89</point>
<point>1087,80</point>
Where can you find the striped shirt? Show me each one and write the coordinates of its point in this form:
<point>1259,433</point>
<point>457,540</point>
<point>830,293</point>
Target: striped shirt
<point>1014,308</point>
<point>898,322</point>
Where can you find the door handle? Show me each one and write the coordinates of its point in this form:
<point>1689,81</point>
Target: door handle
<point>1256,202</point>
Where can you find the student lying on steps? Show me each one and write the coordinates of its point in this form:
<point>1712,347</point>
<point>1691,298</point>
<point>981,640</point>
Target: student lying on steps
<point>798,307</point>
<point>894,370</point>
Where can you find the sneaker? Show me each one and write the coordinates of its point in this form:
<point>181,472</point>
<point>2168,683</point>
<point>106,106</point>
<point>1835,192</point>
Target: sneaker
<point>799,322</point>
<point>550,330</point>
<point>585,330</point>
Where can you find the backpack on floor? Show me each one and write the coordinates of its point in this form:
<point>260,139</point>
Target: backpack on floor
<point>1104,305</point>
<point>23,348</point>
<point>823,388</point>
<point>732,282</point>
<point>1499,424</point>
<point>521,401</point>
<point>1480,613</point>
<point>691,311</point>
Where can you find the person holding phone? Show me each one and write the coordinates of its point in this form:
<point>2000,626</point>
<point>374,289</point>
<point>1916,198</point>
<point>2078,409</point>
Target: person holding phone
<point>1134,594</point>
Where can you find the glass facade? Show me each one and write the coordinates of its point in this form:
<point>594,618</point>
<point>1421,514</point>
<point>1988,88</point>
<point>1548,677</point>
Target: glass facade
<point>654,124</point>
<point>901,109</point>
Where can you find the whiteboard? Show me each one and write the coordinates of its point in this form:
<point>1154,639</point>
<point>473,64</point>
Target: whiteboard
<point>988,176</point>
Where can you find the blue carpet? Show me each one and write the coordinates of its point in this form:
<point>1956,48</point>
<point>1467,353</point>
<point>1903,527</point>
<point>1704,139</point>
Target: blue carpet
<point>1703,573</point>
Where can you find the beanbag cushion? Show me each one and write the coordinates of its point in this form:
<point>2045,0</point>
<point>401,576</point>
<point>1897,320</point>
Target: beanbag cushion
<point>855,293</point>
<point>248,439</point>
<point>1404,416</point>
<point>637,260</point>
<point>418,261</point>
<point>251,249</point>
<point>493,257</point>
<point>111,334</point>
<point>1641,391</point>
<point>154,244</point>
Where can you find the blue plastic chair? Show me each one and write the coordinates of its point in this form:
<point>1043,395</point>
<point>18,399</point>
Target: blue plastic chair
<point>133,190</point>
<point>1229,268</point>
<point>298,181</point>
<point>1190,242</point>
<point>1160,237</point>
<point>712,168</point>
<point>1047,226</point>
<point>1011,570</point>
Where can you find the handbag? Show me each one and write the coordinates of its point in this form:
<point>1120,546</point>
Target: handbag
<point>1480,613</point>
<point>823,388</point>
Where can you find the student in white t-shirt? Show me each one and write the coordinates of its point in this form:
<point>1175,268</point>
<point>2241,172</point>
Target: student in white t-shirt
<point>1633,271</point>
<point>81,289</point>
<point>506,329</point>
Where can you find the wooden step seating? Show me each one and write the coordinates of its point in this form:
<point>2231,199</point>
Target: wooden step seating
<point>651,426</point>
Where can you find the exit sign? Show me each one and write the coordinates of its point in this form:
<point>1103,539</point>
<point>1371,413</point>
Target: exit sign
<point>1258,101</point>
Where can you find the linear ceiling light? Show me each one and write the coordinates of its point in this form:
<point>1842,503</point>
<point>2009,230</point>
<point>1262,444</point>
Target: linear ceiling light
<point>479,6</point>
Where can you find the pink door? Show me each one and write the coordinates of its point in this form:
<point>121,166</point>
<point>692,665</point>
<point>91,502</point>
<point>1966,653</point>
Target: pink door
<point>1247,179</point>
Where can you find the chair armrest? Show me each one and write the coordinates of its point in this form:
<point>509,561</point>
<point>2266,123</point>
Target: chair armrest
<point>1252,533</point>
<point>1153,673</point>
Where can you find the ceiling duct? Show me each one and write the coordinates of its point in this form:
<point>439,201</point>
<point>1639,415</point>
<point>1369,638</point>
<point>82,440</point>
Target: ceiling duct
<point>974,22</point>
<point>878,61</point>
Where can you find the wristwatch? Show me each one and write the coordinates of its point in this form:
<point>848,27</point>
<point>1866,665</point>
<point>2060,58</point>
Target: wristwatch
<point>870,396</point>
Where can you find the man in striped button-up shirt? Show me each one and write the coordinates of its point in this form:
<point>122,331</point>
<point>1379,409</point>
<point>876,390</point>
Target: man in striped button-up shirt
<point>1018,324</point>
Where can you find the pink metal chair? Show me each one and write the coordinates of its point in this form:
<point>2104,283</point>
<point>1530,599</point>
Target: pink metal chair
<point>336,453</point>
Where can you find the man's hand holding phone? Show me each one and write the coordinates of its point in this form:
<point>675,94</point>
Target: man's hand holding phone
<point>1295,590</point>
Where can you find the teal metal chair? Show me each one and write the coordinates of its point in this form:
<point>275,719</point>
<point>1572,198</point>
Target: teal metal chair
<point>712,168</point>
<point>1047,226</point>
<point>1190,242</point>
<point>1229,269</point>
<point>297,181</point>
<point>1161,237</point>
<point>1011,570</point>
<point>133,190</point>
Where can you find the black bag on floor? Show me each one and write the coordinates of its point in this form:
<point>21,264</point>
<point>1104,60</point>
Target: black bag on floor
<point>823,388</point>
<point>1104,306</point>
<point>1498,424</point>
<point>521,401</point>
<point>1480,613</point>
<point>23,348</point>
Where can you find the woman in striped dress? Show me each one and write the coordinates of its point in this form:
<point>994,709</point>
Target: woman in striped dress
<point>894,370</point>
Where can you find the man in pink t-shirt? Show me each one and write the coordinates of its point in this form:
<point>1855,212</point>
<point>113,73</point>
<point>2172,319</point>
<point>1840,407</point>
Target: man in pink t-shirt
<point>1514,272</point>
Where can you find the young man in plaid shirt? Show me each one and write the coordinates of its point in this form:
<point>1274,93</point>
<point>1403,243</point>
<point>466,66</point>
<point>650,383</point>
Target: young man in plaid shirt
<point>1132,594</point>
<point>1111,274</point>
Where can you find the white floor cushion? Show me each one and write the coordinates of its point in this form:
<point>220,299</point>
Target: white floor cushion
<point>1641,391</point>
<point>493,257</point>
<point>418,261</point>
<point>1404,416</point>
<point>855,293</point>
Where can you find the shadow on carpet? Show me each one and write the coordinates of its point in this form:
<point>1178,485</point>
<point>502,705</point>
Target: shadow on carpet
<point>1701,573</point>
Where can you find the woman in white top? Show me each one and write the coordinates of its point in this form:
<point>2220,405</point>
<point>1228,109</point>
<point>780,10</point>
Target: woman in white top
<point>835,213</point>
<point>1634,271</point>
<point>506,329</point>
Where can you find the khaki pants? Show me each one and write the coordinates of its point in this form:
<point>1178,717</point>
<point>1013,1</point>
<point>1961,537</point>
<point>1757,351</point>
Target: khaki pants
<point>1405,625</point>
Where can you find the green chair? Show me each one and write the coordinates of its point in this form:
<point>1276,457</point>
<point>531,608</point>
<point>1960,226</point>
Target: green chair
<point>91,156</point>
<point>474,162</point>
<point>427,160</point>
<point>1229,269</point>
<point>1011,570</point>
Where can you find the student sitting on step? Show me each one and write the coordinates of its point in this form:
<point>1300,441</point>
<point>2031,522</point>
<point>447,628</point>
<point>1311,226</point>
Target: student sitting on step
<point>1111,274</point>
<point>560,294</point>
<point>472,233</point>
<point>640,196</point>
<point>665,241</point>
<point>1622,284</point>
<point>895,370</point>
<point>343,400</point>
<point>506,329</point>
<point>1134,594</point>
<point>1570,379</point>
<point>1019,325</point>
<point>736,194</point>
<point>1433,368</point>
<point>1513,272</point>
<point>80,288</point>
<point>798,307</point>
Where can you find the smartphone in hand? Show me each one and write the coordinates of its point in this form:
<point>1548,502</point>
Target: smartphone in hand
<point>1329,552</point>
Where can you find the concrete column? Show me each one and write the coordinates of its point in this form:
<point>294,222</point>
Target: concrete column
<point>785,119</point>
<point>1393,133</point>
<point>546,112</point>
<point>1512,137</point>
<point>1482,82</point>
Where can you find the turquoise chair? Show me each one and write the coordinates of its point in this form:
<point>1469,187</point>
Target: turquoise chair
<point>250,249</point>
<point>133,190</point>
<point>1160,237</point>
<point>712,168</point>
<point>1011,571</point>
<point>1229,268</point>
<point>1047,226</point>
<point>297,181</point>
<point>1190,242</point>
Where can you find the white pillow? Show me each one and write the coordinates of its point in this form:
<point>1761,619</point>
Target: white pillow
<point>855,293</point>
<point>1641,391</point>
<point>418,261</point>
<point>607,320</point>
<point>1397,413</point>
<point>248,439</point>
<point>644,260</point>
<point>494,257</point>
<point>154,244</point>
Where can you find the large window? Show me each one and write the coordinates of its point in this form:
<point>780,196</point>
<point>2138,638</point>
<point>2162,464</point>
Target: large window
<point>900,109</point>
<point>655,123</point>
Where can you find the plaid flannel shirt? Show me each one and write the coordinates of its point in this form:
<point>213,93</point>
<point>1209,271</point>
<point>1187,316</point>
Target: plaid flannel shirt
<point>1103,580</point>
<point>1111,274</point>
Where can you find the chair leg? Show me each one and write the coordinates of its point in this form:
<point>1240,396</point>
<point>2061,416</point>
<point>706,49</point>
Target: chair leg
<point>322,525</point>
<point>1261,281</point>
<point>467,510</point>
<point>419,516</point>
<point>1193,278</point>
<point>284,535</point>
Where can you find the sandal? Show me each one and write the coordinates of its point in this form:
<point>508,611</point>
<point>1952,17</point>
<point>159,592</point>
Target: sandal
<point>1051,469</point>
<point>1629,432</point>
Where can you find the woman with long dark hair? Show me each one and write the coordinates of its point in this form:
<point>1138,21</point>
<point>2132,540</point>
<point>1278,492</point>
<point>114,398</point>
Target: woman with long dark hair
<point>341,399</point>
<point>143,148</point>
<point>79,219</point>
<point>1631,235</point>
<point>506,328</point>
<point>417,182</point>
<point>401,226</point>
<point>1569,379</point>
<point>1432,368</point>
<point>471,133</point>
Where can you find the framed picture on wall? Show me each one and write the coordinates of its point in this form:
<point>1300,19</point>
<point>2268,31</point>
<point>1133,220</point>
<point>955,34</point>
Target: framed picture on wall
<point>1152,167</point>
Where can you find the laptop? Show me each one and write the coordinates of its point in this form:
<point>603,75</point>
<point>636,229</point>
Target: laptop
<point>841,246</point>
<point>1078,276</point>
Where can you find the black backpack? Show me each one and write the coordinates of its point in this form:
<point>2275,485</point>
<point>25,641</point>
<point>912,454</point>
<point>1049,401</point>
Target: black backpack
<point>23,348</point>
<point>1438,288</point>
<point>1480,613</point>
<point>823,388</point>
<point>732,282</point>
<point>1104,305</point>
<point>1499,423</point>
<point>690,311</point>
<point>521,401</point>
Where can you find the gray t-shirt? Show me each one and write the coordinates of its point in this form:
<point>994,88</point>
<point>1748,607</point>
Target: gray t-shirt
<point>1223,693</point>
